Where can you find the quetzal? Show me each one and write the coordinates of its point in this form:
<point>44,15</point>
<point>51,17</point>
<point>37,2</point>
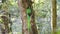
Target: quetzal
<point>28,18</point>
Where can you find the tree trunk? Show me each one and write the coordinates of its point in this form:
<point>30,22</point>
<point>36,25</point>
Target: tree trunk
<point>33,24</point>
<point>54,16</point>
<point>23,4</point>
<point>22,7</point>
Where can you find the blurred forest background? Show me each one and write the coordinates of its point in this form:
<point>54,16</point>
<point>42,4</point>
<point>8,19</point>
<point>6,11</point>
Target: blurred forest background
<point>29,16</point>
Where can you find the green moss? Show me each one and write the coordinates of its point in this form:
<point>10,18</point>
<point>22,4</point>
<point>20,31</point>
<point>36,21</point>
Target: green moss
<point>58,32</point>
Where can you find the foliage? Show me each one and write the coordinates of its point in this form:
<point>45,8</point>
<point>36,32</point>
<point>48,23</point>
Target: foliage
<point>3,1</point>
<point>58,32</point>
<point>42,10</point>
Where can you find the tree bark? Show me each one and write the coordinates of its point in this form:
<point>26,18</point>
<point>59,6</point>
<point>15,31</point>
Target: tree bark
<point>22,6</point>
<point>54,16</point>
<point>33,24</point>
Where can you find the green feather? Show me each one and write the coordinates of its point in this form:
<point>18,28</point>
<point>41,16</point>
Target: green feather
<point>28,11</point>
<point>29,25</point>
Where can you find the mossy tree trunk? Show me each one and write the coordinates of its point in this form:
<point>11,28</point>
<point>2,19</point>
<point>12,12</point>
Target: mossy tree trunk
<point>23,4</point>
<point>33,24</point>
<point>54,16</point>
<point>22,7</point>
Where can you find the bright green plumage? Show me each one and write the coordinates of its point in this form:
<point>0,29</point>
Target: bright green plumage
<point>28,10</point>
<point>28,18</point>
<point>29,26</point>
